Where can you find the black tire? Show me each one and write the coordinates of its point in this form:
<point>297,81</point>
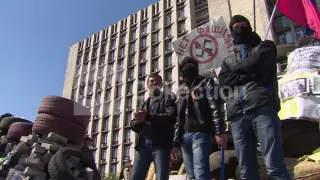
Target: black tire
<point>292,128</point>
<point>230,163</point>
<point>7,121</point>
<point>8,148</point>
<point>19,167</point>
<point>59,170</point>
<point>45,123</point>
<point>66,109</point>
<point>301,145</point>
<point>18,129</point>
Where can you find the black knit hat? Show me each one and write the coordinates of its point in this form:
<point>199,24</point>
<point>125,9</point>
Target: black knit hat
<point>238,18</point>
<point>187,60</point>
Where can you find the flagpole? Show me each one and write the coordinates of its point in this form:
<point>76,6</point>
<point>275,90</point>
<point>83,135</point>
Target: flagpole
<point>254,15</point>
<point>271,19</point>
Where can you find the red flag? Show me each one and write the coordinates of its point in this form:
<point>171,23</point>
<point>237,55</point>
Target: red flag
<point>302,12</point>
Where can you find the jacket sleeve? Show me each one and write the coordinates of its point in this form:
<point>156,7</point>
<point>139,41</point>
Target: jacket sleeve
<point>215,103</point>
<point>176,139</point>
<point>137,126</point>
<point>228,78</point>
<point>260,60</point>
<point>169,115</point>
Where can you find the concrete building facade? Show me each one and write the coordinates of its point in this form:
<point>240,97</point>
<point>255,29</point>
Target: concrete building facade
<point>107,71</point>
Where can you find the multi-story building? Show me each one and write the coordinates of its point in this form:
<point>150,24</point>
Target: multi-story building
<point>107,71</point>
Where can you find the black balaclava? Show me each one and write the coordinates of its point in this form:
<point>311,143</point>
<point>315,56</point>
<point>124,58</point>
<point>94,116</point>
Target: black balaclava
<point>189,73</point>
<point>244,35</point>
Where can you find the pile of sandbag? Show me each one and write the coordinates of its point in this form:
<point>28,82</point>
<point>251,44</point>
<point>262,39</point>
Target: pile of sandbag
<point>53,148</point>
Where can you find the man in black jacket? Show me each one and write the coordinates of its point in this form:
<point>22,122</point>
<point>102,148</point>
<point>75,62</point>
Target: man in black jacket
<point>154,123</point>
<point>199,117</point>
<point>249,80</point>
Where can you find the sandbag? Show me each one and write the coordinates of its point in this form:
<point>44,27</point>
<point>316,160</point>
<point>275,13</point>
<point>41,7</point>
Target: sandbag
<point>230,163</point>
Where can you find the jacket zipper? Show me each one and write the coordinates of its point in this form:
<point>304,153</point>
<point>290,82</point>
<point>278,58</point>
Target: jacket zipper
<point>240,89</point>
<point>187,107</point>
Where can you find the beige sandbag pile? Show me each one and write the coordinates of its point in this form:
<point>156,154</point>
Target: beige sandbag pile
<point>304,170</point>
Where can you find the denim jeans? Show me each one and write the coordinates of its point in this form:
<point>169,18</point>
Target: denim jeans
<point>196,151</point>
<point>262,124</point>
<point>145,155</point>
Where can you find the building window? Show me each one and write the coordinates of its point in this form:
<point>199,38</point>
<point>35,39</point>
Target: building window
<point>110,68</point>
<point>141,85</point>
<point>115,153</point>
<point>143,42</point>
<point>202,13</point>
<point>140,100</point>
<point>131,60</point>
<point>133,34</point>
<point>103,169</point>
<point>286,38</point>
<point>181,27</point>
<point>116,122</point>
<point>98,98</point>
<point>113,169</point>
<point>282,22</point>
<point>89,100</point>
<point>103,48</point>
<point>301,33</point>
<point>167,19</point>
<point>155,24</point>
<point>101,71</point>
<point>155,66</point>
<point>144,28</point>
<point>181,13</point>
<point>155,51</point>
<point>168,75</point>
<point>121,52</point>
<point>130,88</point>
<point>109,81</point>
<point>127,153</point>
<point>167,32</point>
<point>103,154</point>
<point>97,110</point>
<point>111,56</point>
<point>132,47</point>
<point>118,91</point>
<point>92,75</point>
<point>168,46</point>
<point>200,2</point>
<point>123,39</point>
<point>128,119</point>
<point>113,43</point>
<point>95,127</point>
<point>142,70</point>
<point>105,123</point>
<point>119,77</point>
<point>115,138</point>
<point>107,108</point>
<point>168,61</point>
<point>95,141</point>
<point>129,103</point>
<point>155,37</point>
<point>102,60</point>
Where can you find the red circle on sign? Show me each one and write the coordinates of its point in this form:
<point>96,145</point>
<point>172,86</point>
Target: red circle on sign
<point>213,55</point>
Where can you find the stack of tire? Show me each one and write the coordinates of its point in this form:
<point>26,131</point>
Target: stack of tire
<point>23,127</point>
<point>15,132</point>
<point>64,117</point>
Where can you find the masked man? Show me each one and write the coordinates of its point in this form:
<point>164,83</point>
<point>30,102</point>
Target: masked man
<point>154,123</point>
<point>199,116</point>
<point>250,81</point>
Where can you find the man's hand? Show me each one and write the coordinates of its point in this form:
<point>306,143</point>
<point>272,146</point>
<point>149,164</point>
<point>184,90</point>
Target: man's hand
<point>222,140</point>
<point>175,153</point>
<point>140,115</point>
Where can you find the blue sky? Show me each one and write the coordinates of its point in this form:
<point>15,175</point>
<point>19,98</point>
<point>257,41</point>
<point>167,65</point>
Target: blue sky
<point>35,36</point>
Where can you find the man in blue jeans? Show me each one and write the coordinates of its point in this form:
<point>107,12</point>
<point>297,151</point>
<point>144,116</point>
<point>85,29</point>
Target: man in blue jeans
<point>199,117</point>
<point>153,122</point>
<point>249,79</point>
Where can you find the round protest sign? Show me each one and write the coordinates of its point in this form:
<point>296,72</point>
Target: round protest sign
<point>204,48</point>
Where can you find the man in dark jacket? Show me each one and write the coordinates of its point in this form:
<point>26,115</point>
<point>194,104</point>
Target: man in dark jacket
<point>199,110</point>
<point>154,123</point>
<point>249,80</point>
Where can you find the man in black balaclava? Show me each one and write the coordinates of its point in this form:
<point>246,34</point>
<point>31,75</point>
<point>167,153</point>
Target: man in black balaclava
<point>251,94</point>
<point>153,122</point>
<point>199,109</point>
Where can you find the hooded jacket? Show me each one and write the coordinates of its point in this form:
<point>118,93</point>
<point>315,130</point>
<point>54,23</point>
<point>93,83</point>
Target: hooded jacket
<point>203,114</point>
<point>249,78</point>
